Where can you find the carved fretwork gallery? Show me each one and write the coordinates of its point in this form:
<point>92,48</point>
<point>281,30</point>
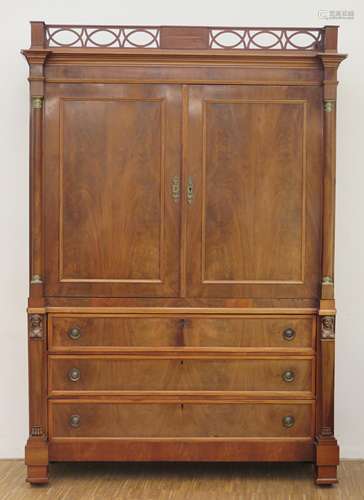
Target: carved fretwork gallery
<point>182,201</point>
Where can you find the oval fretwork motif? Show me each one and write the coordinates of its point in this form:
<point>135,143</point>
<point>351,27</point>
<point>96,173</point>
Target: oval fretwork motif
<point>126,37</point>
<point>265,39</point>
<point>102,36</point>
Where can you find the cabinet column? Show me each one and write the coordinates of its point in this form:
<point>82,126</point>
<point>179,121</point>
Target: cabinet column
<point>327,450</point>
<point>329,181</point>
<point>36,263</point>
<point>36,451</point>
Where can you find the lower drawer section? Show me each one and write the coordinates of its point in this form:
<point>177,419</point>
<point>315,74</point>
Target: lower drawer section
<point>103,419</point>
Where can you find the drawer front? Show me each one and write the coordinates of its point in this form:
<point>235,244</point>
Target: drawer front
<point>82,419</point>
<point>113,373</point>
<point>87,332</point>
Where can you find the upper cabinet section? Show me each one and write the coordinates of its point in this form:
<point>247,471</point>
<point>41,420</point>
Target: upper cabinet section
<point>182,161</point>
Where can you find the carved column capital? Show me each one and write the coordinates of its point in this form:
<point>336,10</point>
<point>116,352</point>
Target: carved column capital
<point>327,280</point>
<point>36,431</point>
<point>36,326</point>
<point>329,106</point>
<point>328,327</point>
<point>37,102</point>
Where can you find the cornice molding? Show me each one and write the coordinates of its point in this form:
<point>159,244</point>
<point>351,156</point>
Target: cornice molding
<point>163,57</point>
<point>36,56</point>
<point>331,60</point>
<point>160,57</point>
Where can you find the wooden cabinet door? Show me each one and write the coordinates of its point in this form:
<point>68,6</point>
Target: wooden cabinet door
<point>112,157</point>
<point>254,165</point>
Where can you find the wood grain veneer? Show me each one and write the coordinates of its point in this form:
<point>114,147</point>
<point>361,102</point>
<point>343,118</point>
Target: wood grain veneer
<point>116,331</point>
<point>116,420</point>
<point>115,374</point>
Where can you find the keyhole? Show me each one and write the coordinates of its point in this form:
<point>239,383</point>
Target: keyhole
<point>180,332</point>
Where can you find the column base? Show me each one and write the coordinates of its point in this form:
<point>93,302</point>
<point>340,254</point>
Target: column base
<point>36,459</point>
<point>327,460</point>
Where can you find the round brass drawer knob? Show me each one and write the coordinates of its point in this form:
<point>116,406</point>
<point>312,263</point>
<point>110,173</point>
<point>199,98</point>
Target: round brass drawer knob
<point>288,376</point>
<point>75,421</point>
<point>289,334</point>
<point>288,421</point>
<point>74,333</point>
<point>74,374</point>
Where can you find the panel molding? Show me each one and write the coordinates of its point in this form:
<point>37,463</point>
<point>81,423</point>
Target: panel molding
<point>205,102</point>
<point>162,101</point>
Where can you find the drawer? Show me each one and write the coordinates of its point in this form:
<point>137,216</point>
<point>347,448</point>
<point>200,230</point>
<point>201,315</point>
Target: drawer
<point>115,373</point>
<point>84,419</point>
<point>87,332</point>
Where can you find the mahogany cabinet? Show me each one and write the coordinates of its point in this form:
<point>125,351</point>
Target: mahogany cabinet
<point>182,186</point>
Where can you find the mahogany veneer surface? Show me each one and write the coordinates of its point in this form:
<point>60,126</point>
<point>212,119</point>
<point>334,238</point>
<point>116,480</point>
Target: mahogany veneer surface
<point>110,420</point>
<point>112,373</point>
<point>152,332</point>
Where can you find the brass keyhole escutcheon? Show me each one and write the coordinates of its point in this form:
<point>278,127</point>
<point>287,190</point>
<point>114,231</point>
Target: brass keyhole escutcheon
<point>175,188</point>
<point>190,190</point>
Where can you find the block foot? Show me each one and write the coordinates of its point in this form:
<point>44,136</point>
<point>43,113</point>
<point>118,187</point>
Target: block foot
<point>37,474</point>
<point>36,459</point>
<point>326,474</point>
<point>327,460</point>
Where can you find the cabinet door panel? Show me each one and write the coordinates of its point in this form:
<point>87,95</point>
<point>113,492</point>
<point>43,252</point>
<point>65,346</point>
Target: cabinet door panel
<point>253,226</point>
<point>112,225</point>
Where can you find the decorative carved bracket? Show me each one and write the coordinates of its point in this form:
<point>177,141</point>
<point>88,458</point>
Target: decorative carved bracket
<point>35,326</point>
<point>328,327</point>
